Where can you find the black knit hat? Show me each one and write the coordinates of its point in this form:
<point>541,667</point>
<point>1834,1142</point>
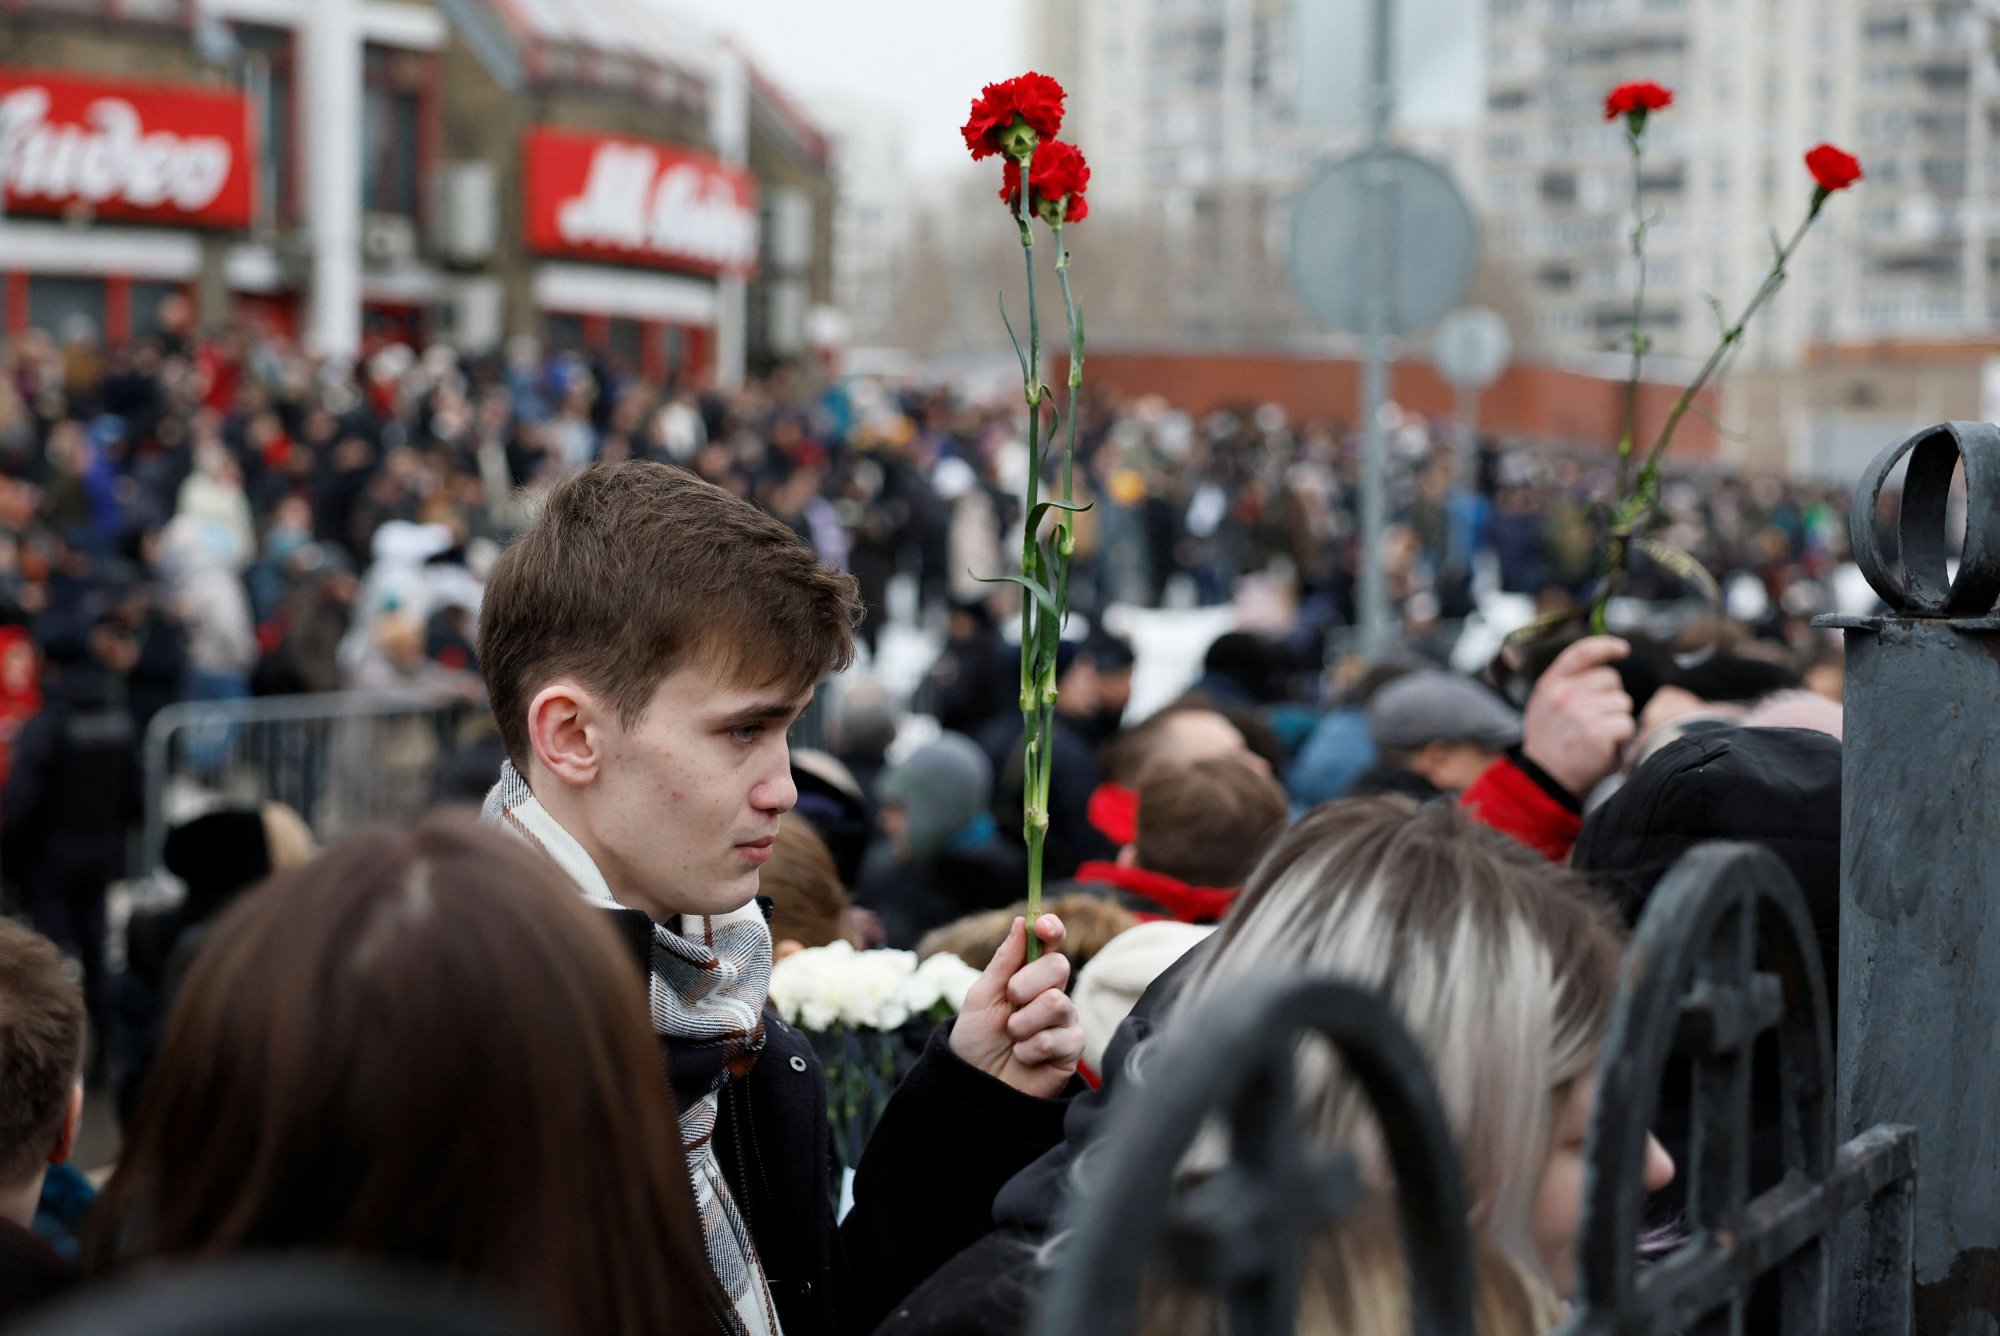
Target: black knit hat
<point>219,855</point>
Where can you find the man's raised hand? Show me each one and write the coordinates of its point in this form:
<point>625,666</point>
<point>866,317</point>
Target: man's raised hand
<point>1579,716</point>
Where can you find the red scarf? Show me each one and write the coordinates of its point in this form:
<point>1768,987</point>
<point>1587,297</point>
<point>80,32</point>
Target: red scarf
<point>1177,900</point>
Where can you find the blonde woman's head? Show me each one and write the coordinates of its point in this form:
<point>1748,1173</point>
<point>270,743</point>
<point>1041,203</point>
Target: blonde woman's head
<point>1502,966</point>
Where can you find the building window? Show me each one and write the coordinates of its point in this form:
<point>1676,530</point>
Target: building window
<point>563,332</point>
<point>59,305</point>
<point>626,341</point>
<point>147,299</point>
<point>1944,173</point>
<point>270,79</point>
<point>393,131</point>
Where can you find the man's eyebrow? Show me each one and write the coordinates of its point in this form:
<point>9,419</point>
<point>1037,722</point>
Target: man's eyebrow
<point>764,712</point>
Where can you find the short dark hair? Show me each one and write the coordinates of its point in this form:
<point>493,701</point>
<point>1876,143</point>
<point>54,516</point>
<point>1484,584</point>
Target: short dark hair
<point>1208,823</point>
<point>634,569</point>
<point>41,1048</point>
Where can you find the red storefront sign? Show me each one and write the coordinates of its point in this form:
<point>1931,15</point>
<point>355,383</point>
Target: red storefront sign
<point>636,202</point>
<point>144,152</point>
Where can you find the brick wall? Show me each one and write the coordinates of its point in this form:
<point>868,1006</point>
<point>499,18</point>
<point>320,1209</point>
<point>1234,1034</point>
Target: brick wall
<point>1536,402</point>
<point>140,52</point>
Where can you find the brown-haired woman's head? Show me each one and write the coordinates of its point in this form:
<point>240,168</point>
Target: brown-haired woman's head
<point>422,1046</point>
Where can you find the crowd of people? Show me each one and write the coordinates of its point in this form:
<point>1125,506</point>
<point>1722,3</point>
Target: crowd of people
<point>531,1056</point>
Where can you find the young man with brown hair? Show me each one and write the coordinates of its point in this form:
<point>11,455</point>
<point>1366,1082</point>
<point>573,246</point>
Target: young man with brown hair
<point>646,643</point>
<point>41,1104</point>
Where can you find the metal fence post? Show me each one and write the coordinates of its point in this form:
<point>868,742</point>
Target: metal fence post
<point>1919,1027</point>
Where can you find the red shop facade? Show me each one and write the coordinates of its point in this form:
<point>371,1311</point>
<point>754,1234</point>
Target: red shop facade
<point>628,240</point>
<point>113,190</point>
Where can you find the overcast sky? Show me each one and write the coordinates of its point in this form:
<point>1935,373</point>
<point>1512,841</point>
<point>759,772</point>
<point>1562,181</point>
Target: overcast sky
<point>924,58</point>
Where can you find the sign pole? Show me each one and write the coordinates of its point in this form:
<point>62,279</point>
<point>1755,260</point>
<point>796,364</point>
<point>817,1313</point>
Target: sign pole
<point>1470,349</point>
<point>1465,421</point>
<point>1376,633</point>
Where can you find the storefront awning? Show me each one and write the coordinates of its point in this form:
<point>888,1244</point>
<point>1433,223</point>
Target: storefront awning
<point>588,289</point>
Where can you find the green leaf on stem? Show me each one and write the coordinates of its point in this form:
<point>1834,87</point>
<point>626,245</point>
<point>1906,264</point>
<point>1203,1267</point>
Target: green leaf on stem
<point>1019,352</point>
<point>1033,586</point>
<point>1042,509</point>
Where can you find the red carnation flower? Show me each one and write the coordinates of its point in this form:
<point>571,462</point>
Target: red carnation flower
<point>1058,180</point>
<point>1634,100</point>
<point>1833,169</point>
<point>1032,100</point>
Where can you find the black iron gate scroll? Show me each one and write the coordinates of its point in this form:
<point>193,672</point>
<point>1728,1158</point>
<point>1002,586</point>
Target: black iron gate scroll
<point>1724,953</point>
<point>1241,1233</point>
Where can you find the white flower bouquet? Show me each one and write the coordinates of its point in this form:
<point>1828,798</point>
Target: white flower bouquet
<point>868,1015</point>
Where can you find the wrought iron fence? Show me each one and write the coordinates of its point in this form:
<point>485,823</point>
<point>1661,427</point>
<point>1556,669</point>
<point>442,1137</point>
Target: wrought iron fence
<point>1920,850</point>
<point>1723,955</point>
<point>1240,1234</point>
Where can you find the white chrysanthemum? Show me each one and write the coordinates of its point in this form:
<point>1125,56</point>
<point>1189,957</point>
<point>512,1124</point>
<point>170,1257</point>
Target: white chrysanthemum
<point>873,995</point>
<point>806,985</point>
<point>949,977</point>
<point>822,986</point>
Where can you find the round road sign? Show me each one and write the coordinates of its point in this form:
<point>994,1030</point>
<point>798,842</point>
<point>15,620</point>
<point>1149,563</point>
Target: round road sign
<point>1470,347</point>
<point>1425,251</point>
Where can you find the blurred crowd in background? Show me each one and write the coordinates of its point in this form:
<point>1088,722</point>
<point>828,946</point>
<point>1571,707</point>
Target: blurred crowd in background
<point>222,516</point>
<point>209,518</point>
<point>206,519</point>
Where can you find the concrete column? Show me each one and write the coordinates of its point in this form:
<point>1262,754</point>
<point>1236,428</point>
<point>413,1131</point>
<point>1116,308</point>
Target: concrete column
<point>331,45</point>
<point>729,128</point>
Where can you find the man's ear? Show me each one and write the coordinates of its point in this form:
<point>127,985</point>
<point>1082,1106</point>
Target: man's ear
<point>72,1122</point>
<point>1430,759</point>
<point>1128,856</point>
<point>566,728</point>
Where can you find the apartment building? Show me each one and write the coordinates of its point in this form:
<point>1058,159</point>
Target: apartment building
<point>1203,118</point>
<point>1756,82</point>
<point>1927,94</point>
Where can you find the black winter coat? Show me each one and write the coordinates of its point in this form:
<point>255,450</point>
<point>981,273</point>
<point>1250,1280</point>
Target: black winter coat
<point>74,787</point>
<point>989,1288</point>
<point>950,1137</point>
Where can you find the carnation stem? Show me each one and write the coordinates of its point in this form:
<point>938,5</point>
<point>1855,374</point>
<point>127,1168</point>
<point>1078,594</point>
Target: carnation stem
<point>1630,439</point>
<point>1635,504</point>
<point>1037,678</point>
<point>1075,383</point>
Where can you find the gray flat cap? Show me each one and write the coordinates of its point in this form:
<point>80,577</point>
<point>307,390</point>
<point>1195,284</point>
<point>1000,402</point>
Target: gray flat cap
<point>1434,706</point>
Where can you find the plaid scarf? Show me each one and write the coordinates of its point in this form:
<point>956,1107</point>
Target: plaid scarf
<point>706,989</point>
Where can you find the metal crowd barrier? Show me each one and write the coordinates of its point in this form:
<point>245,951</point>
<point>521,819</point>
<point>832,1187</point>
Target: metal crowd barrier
<point>1723,955</point>
<point>341,760</point>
